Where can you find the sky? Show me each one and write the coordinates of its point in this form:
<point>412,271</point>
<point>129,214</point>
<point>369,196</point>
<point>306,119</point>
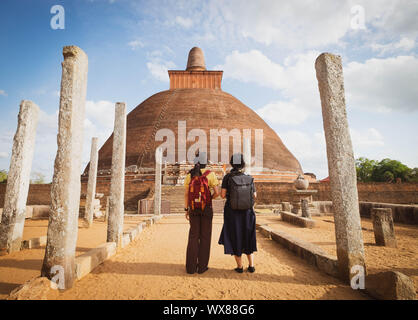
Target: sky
<point>267,50</point>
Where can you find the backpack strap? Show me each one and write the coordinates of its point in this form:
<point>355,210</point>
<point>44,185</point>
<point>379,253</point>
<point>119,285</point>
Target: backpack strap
<point>206,173</point>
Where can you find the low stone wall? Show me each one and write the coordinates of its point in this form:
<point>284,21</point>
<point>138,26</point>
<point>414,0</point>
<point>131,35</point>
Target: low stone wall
<point>401,213</point>
<point>297,220</point>
<point>309,252</point>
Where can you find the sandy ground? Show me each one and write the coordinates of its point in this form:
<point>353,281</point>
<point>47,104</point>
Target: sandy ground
<point>403,259</point>
<point>153,267</point>
<point>18,267</point>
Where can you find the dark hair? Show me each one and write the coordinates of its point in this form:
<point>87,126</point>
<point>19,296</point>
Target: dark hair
<point>195,172</point>
<point>237,161</point>
<point>200,163</point>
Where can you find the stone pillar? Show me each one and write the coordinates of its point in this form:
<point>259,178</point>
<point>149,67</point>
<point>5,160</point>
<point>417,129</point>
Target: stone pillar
<point>341,165</point>
<point>66,184</point>
<point>117,183</point>
<point>107,209</point>
<point>384,232</point>
<point>305,208</point>
<point>286,206</point>
<point>296,206</point>
<point>91,184</point>
<point>14,211</point>
<point>247,155</point>
<point>157,193</point>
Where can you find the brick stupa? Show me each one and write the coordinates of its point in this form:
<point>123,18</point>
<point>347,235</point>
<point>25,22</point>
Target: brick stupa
<point>196,96</point>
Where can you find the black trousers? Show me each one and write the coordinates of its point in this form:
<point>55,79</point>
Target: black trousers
<point>200,235</point>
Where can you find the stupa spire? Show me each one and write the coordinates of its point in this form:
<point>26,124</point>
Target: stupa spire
<point>196,60</point>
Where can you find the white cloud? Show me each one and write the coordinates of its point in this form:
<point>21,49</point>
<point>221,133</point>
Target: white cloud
<point>366,138</point>
<point>135,44</point>
<point>184,22</point>
<point>383,84</point>
<point>4,155</point>
<point>98,122</point>
<point>253,66</point>
<point>159,68</point>
<point>404,45</point>
<point>3,93</point>
<point>295,79</point>
<point>101,113</point>
<point>309,149</point>
<point>280,112</point>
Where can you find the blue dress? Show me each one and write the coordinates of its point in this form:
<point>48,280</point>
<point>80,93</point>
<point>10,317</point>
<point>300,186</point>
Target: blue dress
<point>238,233</point>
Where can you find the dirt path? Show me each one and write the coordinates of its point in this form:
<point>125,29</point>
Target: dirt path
<point>19,267</point>
<point>152,267</point>
<point>404,258</point>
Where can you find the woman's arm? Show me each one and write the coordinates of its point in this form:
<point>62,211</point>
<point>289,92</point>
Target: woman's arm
<point>186,201</point>
<point>223,193</point>
<point>215,192</point>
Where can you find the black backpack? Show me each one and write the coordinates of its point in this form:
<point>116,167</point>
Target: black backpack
<point>240,191</point>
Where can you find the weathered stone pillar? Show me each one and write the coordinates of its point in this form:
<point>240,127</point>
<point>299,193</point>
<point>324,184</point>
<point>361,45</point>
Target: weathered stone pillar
<point>286,206</point>
<point>107,209</point>
<point>247,155</point>
<point>91,184</point>
<point>66,184</point>
<point>14,211</point>
<point>117,183</point>
<point>384,231</point>
<point>341,166</point>
<point>305,208</point>
<point>157,193</point>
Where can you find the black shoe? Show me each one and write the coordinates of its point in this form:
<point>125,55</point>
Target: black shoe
<point>239,270</point>
<point>251,269</point>
<point>203,270</point>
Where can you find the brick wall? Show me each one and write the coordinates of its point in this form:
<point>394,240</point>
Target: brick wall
<point>404,193</point>
<point>134,191</point>
<point>267,192</point>
<point>40,194</point>
<point>276,192</point>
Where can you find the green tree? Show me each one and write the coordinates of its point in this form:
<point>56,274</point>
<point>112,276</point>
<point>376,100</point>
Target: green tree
<point>3,176</point>
<point>386,170</point>
<point>391,170</point>
<point>364,169</point>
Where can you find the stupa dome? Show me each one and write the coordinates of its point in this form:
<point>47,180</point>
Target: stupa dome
<point>196,98</point>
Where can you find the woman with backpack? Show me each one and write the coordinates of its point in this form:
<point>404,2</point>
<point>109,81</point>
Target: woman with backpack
<point>198,206</point>
<point>238,234</point>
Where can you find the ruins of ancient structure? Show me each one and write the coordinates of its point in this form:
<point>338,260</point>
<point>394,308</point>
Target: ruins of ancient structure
<point>91,184</point>
<point>14,212</point>
<point>196,100</point>
<point>133,156</point>
<point>65,189</point>
<point>341,166</point>
<point>117,183</point>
